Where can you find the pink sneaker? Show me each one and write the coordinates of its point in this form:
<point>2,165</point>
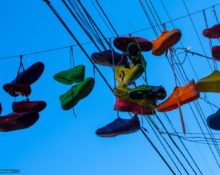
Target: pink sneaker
<point>123,106</point>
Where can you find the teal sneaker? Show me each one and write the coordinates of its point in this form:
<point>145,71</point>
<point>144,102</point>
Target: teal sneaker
<point>76,93</point>
<point>71,76</point>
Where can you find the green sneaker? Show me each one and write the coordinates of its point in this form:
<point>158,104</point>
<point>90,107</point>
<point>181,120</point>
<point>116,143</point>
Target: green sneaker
<point>71,76</point>
<point>76,93</point>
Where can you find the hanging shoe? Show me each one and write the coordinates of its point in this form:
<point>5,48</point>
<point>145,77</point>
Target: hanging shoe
<point>28,106</point>
<point>30,75</point>
<point>185,95</point>
<point>21,84</point>
<point>210,83</point>
<point>142,92</point>
<point>71,76</point>
<point>166,40</point>
<point>15,89</point>
<point>126,76</point>
<point>17,121</point>
<point>134,53</point>
<point>124,106</point>
<point>76,93</point>
<point>119,126</point>
<point>122,93</point>
<point>122,42</point>
<point>213,32</point>
<point>216,53</point>
<point>213,121</point>
<point>105,58</point>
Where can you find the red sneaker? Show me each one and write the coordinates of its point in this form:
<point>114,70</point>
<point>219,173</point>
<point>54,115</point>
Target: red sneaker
<point>28,106</point>
<point>16,121</point>
<point>123,106</point>
<point>15,89</point>
<point>213,32</point>
<point>122,42</point>
<point>216,52</point>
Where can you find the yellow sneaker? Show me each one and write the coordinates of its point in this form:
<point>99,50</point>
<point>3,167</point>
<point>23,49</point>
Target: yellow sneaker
<point>126,76</point>
<point>211,83</point>
<point>122,93</point>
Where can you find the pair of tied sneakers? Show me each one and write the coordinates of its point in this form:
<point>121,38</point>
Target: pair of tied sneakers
<point>119,126</point>
<point>213,33</point>
<point>25,114</point>
<point>76,92</point>
<point>21,84</point>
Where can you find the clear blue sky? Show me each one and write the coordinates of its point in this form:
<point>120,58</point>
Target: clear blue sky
<point>60,144</point>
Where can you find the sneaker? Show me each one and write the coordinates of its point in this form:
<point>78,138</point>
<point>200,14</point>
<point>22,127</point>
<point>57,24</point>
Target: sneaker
<point>211,83</point>
<point>28,106</point>
<point>216,53</point>
<point>122,42</point>
<point>119,126</point>
<point>15,89</point>
<point>30,75</point>
<point>76,93</point>
<point>142,92</point>
<point>166,40</point>
<point>213,32</point>
<point>126,76</point>
<point>134,53</point>
<point>71,76</point>
<point>122,93</point>
<point>185,95</point>
<point>17,121</point>
<point>124,106</point>
<point>105,58</point>
<point>213,121</point>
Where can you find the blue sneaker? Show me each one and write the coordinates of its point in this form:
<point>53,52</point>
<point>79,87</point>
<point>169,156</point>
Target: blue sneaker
<point>119,126</point>
<point>213,121</point>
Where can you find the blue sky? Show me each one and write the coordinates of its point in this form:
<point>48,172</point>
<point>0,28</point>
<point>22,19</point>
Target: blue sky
<point>60,144</point>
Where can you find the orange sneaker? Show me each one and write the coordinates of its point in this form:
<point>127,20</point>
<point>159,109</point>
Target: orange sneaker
<point>166,40</point>
<point>185,95</point>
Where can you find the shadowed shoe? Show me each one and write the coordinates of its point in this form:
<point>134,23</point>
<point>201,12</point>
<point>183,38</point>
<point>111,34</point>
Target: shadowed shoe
<point>213,121</point>
<point>122,93</point>
<point>28,106</point>
<point>17,121</point>
<point>76,93</point>
<point>166,40</point>
<point>119,126</point>
<point>216,53</point>
<point>124,106</point>
<point>71,76</point>
<point>142,92</point>
<point>126,76</point>
<point>211,83</point>
<point>105,58</point>
<point>213,32</point>
<point>122,42</point>
<point>185,94</point>
<point>15,89</point>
